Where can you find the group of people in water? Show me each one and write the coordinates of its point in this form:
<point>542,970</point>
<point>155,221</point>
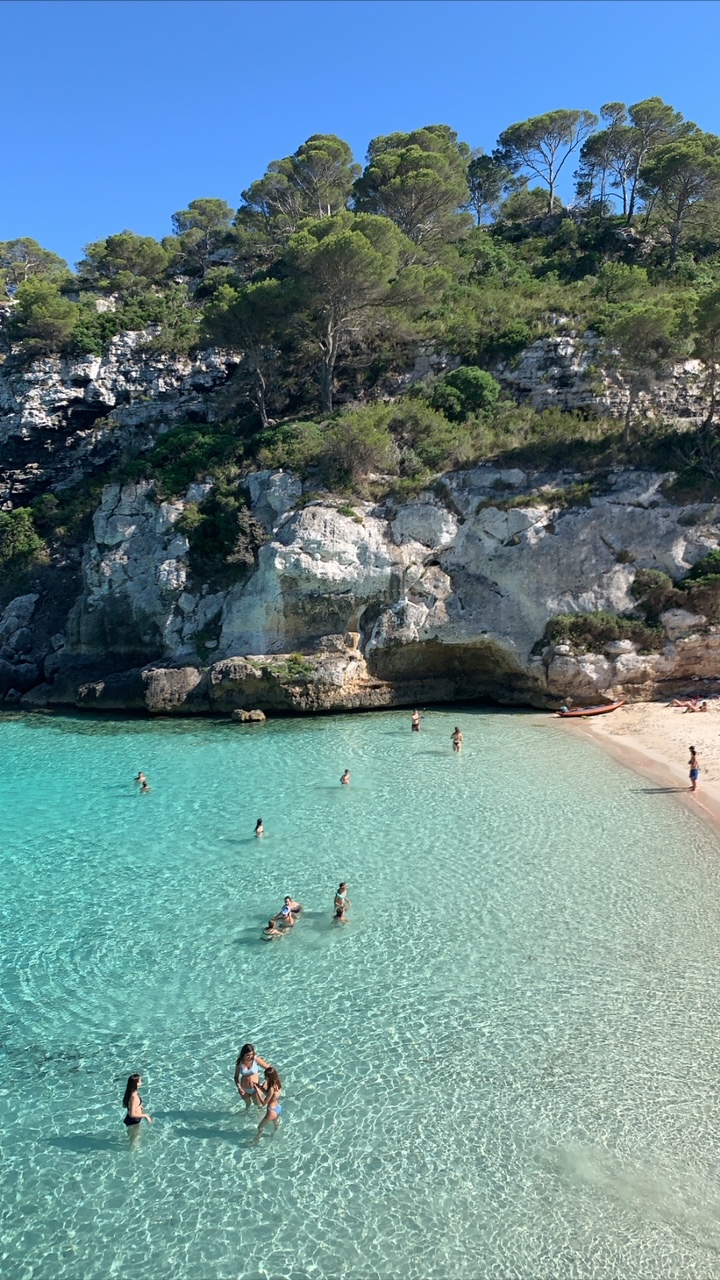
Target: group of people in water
<point>263,1093</point>
<point>278,926</point>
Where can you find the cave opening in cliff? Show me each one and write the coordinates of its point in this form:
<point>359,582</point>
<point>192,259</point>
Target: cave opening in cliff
<point>430,671</point>
<point>81,415</point>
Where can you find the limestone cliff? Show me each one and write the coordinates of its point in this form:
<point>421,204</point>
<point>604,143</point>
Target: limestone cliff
<point>62,418</point>
<point>444,597</point>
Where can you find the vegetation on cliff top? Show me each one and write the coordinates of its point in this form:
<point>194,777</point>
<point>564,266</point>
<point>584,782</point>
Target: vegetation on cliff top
<point>330,277</point>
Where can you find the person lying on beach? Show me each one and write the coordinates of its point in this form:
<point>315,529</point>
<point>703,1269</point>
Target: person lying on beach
<point>694,763</point>
<point>415,721</point>
<point>267,1095</point>
<point>247,1073</point>
<point>271,932</point>
<point>685,702</point>
<point>341,898</point>
<point>701,706</point>
<point>345,780</point>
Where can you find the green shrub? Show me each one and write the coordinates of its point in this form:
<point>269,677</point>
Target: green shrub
<point>465,391</point>
<point>222,533</point>
<point>590,632</point>
<point>654,592</point>
<point>296,445</point>
<point>42,320</point>
<point>20,542</point>
<point>187,453</point>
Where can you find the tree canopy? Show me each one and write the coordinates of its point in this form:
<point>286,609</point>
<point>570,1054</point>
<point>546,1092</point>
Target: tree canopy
<point>418,180</point>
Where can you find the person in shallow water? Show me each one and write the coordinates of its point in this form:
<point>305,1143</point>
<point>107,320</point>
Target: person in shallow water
<point>259,828</point>
<point>456,739</point>
<point>415,721</point>
<point>247,1073</point>
<point>340,917</point>
<point>133,1103</point>
<point>272,931</point>
<point>694,763</point>
<point>345,780</point>
<point>341,898</point>
<point>268,1095</point>
<point>289,911</point>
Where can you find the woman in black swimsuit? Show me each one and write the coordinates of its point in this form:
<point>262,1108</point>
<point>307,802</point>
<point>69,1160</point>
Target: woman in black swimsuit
<point>133,1103</point>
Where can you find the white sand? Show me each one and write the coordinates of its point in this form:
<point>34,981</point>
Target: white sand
<point>654,738</point>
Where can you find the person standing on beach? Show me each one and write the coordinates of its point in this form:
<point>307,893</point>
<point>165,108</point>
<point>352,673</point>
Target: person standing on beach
<point>456,739</point>
<point>694,763</point>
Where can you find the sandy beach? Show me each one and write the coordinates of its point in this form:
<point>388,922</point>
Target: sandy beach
<point>653,738</point>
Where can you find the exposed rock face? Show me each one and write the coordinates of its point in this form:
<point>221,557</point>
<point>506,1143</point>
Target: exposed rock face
<point>62,418</point>
<point>564,372</point>
<point>442,598</point>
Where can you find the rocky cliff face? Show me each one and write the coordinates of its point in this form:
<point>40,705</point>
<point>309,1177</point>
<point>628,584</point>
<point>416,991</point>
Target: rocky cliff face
<point>565,373</point>
<point>63,418</point>
<point>444,597</point>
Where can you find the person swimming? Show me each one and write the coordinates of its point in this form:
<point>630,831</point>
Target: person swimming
<point>268,1095</point>
<point>144,788</point>
<point>140,778</point>
<point>133,1103</point>
<point>271,931</point>
<point>259,828</point>
<point>415,721</point>
<point>345,780</point>
<point>247,1073</point>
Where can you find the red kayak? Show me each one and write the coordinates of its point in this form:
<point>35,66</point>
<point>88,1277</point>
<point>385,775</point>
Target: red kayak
<point>590,711</point>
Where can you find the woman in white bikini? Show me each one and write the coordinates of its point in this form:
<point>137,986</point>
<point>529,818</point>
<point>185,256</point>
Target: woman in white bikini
<point>247,1073</point>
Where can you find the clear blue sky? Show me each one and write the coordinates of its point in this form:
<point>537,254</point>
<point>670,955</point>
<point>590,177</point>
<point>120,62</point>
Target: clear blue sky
<point>118,113</point>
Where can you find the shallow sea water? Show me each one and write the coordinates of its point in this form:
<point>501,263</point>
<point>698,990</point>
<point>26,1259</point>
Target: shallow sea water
<point>506,1065</point>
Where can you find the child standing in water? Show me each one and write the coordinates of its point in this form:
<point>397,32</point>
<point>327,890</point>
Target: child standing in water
<point>268,1096</point>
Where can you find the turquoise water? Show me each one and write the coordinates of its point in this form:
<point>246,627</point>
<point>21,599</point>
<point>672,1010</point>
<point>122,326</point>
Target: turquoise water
<point>505,1066</point>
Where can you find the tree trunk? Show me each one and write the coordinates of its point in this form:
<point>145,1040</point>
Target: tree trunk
<point>260,398</point>
<point>711,386</point>
<point>551,193</point>
<point>675,241</point>
<point>628,418</point>
<point>329,347</point>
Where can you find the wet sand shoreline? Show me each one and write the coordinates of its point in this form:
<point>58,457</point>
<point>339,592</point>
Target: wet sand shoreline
<point>652,739</point>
